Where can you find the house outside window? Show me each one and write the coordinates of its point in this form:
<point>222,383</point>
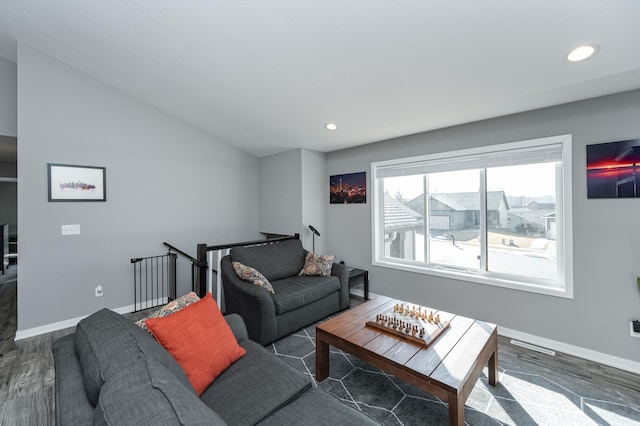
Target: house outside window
<point>497,215</point>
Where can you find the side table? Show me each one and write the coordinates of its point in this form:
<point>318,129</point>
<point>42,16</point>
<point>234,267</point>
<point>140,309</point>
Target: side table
<point>355,273</point>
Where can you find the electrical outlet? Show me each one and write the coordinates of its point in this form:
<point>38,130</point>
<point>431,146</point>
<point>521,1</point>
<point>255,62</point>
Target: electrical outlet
<point>99,291</point>
<point>633,333</point>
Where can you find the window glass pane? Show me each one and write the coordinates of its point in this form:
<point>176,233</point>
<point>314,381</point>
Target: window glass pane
<point>404,217</point>
<point>521,220</point>
<point>454,219</point>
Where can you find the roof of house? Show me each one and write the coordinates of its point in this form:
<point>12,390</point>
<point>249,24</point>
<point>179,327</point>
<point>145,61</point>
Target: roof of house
<point>534,205</point>
<point>399,217</point>
<point>462,201</point>
<point>533,216</point>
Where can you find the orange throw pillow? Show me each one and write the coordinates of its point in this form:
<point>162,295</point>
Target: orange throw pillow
<point>200,340</point>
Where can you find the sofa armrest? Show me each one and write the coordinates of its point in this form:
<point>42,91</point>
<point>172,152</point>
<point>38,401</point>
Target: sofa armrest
<point>254,304</point>
<point>72,407</point>
<point>342,272</point>
<point>238,327</point>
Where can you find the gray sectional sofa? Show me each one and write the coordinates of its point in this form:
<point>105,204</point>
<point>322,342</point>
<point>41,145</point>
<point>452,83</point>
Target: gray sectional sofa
<point>111,372</point>
<point>297,302</point>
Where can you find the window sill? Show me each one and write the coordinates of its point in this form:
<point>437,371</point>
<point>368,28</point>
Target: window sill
<point>479,279</point>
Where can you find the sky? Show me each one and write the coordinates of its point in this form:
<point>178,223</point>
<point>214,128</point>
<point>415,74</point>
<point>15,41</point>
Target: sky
<point>533,180</point>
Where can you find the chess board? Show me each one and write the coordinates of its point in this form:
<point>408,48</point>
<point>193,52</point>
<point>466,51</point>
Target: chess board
<point>411,323</point>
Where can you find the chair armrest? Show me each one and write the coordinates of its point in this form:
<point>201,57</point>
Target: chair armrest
<point>342,272</point>
<point>238,327</point>
<point>253,303</point>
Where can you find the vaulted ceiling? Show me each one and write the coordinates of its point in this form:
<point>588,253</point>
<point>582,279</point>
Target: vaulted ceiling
<point>267,75</point>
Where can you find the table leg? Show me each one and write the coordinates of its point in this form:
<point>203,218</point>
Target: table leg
<point>493,362</point>
<point>322,360</point>
<point>456,410</point>
<point>366,286</point>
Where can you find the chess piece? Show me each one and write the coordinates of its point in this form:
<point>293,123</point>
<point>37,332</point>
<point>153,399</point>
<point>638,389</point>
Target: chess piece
<point>431,316</point>
<point>422,332</point>
<point>395,308</point>
<point>437,318</point>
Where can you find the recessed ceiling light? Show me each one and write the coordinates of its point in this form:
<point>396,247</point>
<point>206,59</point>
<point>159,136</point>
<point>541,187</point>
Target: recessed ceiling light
<point>331,126</point>
<point>581,53</point>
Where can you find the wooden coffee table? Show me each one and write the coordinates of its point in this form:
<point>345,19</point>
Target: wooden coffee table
<point>448,368</point>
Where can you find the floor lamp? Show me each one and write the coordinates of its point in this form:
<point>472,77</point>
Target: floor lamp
<point>314,232</point>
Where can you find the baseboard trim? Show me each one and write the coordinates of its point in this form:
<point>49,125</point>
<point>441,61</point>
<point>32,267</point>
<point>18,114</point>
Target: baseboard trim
<point>588,354</point>
<point>61,325</point>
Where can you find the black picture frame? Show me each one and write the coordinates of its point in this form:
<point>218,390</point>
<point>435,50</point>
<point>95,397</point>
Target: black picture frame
<point>348,188</point>
<point>612,169</point>
<point>74,183</point>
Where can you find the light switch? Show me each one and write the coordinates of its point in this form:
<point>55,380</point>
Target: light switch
<point>70,229</point>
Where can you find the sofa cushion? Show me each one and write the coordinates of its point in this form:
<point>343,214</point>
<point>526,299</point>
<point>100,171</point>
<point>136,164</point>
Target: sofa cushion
<point>317,408</point>
<point>170,308</point>
<point>274,260</point>
<point>146,393</point>
<point>200,340</point>
<point>317,265</point>
<point>253,387</point>
<point>249,274</point>
<point>106,341</point>
<point>294,292</point>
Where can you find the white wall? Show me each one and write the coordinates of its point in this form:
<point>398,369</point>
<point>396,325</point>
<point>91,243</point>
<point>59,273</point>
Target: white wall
<point>8,98</point>
<point>166,181</point>
<point>606,233</point>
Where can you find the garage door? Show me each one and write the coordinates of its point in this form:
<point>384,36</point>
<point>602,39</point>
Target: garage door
<point>440,223</point>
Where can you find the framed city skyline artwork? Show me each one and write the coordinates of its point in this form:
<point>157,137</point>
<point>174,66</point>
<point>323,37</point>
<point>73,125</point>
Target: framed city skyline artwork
<point>349,188</point>
<point>67,182</point>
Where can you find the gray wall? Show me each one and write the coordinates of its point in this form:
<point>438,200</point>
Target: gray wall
<point>166,181</point>
<point>280,202</point>
<point>292,195</point>
<point>9,205</point>
<point>606,243</point>
<point>315,197</point>
<point>8,98</point>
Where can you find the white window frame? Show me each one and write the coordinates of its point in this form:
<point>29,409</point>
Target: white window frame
<point>563,287</point>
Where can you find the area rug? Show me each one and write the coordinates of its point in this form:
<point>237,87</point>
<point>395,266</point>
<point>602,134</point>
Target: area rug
<point>523,396</point>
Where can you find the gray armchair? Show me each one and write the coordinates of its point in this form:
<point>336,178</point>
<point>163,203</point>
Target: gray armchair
<point>298,300</point>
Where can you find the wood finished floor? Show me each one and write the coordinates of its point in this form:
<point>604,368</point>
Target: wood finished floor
<point>27,372</point>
